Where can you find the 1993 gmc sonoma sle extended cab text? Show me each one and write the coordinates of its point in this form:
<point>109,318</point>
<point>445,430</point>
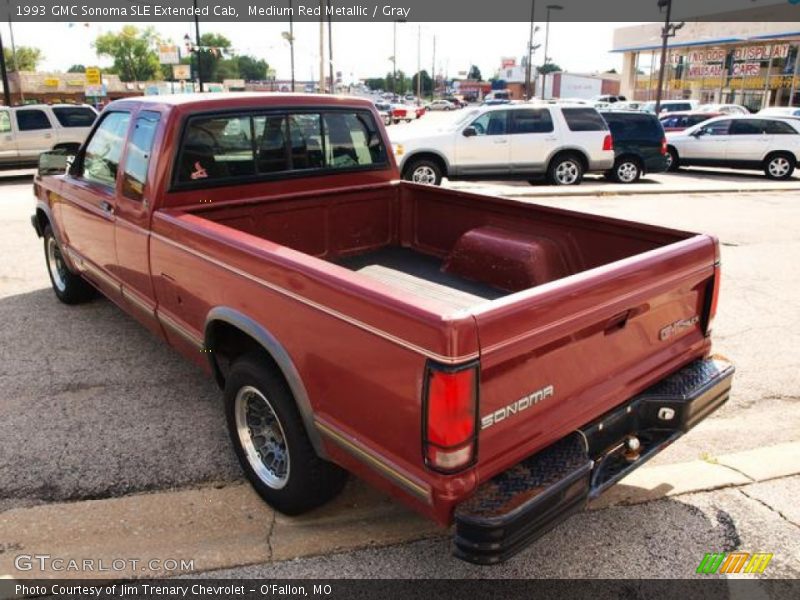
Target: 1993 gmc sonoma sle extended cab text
<point>487,362</point>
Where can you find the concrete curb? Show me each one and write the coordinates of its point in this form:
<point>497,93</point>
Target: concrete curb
<point>648,192</point>
<point>222,527</point>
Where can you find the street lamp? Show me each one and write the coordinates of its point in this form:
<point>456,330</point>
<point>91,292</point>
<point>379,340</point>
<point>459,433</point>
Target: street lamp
<point>667,32</point>
<point>197,41</point>
<point>6,90</point>
<point>289,37</point>
<point>394,53</point>
<point>531,49</point>
<point>547,40</point>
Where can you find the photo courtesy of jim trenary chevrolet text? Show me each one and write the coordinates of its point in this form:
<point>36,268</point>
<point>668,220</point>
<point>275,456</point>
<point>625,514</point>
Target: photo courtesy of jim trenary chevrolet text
<point>357,299</point>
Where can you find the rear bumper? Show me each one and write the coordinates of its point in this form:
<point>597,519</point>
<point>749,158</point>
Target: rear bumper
<point>516,507</point>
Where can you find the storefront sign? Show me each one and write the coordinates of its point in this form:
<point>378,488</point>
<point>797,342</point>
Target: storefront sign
<point>168,54</point>
<point>746,69</point>
<point>51,82</point>
<point>761,52</point>
<point>181,72</point>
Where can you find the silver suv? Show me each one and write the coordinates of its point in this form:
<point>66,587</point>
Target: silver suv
<point>27,131</point>
<point>512,141</point>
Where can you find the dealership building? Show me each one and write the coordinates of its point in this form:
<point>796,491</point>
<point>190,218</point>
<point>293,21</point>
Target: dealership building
<point>749,63</point>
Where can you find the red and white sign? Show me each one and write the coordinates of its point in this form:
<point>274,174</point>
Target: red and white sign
<point>746,69</point>
<point>508,62</point>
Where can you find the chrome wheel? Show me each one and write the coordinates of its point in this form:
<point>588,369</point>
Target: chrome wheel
<point>627,172</point>
<point>779,167</point>
<point>567,172</point>
<point>55,262</point>
<point>262,437</point>
<point>424,174</point>
<point>668,159</point>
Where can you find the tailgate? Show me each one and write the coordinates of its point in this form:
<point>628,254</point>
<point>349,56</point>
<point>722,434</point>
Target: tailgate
<point>556,357</point>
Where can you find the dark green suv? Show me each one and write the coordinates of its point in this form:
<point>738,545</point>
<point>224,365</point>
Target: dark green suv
<point>640,145</point>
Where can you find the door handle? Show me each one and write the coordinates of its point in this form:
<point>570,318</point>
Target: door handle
<point>501,141</point>
<point>48,135</point>
<point>106,207</point>
<point>8,138</point>
<point>551,139</point>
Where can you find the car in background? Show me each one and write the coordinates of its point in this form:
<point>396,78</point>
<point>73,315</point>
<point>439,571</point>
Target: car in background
<point>27,131</point>
<point>724,109</point>
<point>629,105</point>
<point>610,98</point>
<point>512,141</point>
<point>440,105</point>
<point>671,106</point>
<point>402,112</point>
<point>497,97</point>
<point>456,101</point>
<point>758,142</point>
<point>640,145</point>
<point>780,111</point>
<point>678,121</point>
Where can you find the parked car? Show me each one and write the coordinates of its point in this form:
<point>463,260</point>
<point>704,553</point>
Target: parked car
<point>441,105</point>
<point>671,106</point>
<point>456,101</point>
<point>513,141</point>
<point>402,112</point>
<point>27,131</point>
<point>724,109</point>
<point>629,105</point>
<point>640,145</point>
<point>419,111</point>
<point>610,98</point>
<point>437,344</point>
<point>497,97</point>
<point>678,121</point>
<point>780,111</point>
<point>738,142</point>
<point>385,111</point>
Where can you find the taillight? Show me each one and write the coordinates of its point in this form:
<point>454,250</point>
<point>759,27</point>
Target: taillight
<point>663,146</point>
<point>608,143</point>
<point>450,414</point>
<point>711,302</point>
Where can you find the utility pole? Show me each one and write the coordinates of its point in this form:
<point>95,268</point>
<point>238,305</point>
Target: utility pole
<point>394,57</point>
<point>528,90</point>
<point>667,32</point>
<point>197,44</point>
<point>6,90</point>
<point>291,40</point>
<point>321,46</point>
<point>546,42</point>
<point>419,65</point>
<point>433,70</point>
<point>330,48</point>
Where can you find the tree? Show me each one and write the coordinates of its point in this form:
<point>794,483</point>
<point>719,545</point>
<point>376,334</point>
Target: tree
<point>211,56</point>
<point>27,58</point>
<point>77,69</point>
<point>252,68</point>
<point>427,82</point>
<point>611,71</point>
<point>548,68</point>
<point>474,73</point>
<point>376,83</point>
<point>133,53</point>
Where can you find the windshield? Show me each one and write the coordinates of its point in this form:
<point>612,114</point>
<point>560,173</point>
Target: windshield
<point>463,119</point>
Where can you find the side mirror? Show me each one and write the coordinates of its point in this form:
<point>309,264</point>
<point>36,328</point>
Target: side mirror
<point>54,162</point>
<point>469,132</point>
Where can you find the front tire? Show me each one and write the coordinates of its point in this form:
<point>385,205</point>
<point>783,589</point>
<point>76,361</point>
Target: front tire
<point>424,171</point>
<point>779,166</point>
<point>271,443</point>
<point>69,287</point>
<point>566,169</point>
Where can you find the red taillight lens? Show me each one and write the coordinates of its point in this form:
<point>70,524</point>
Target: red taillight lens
<point>608,143</point>
<point>712,305</point>
<point>450,404</point>
<point>663,146</point>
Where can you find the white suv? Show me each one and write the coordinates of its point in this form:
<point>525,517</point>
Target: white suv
<point>509,142</point>
<point>770,144</point>
<point>27,131</point>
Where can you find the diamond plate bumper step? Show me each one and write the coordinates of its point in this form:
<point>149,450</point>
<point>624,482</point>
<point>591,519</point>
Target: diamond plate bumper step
<point>516,507</point>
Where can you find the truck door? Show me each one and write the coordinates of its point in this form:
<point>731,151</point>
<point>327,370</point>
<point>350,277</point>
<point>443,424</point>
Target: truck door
<point>35,133</point>
<point>488,151</point>
<point>132,223</point>
<point>8,141</point>
<point>89,201</point>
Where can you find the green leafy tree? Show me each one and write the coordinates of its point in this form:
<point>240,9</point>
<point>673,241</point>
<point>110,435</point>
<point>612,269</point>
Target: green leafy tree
<point>212,53</point>
<point>77,69</point>
<point>27,58</point>
<point>252,68</point>
<point>548,68</point>
<point>425,80</point>
<point>133,53</point>
<point>474,73</point>
<point>376,83</point>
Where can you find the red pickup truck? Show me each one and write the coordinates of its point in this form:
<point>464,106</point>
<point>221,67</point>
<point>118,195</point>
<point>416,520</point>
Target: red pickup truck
<point>485,361</point>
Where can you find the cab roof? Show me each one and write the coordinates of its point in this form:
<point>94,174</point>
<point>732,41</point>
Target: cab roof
<point>221,100</point>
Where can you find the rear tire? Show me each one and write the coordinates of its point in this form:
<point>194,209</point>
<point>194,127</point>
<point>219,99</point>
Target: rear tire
<point>566,169</point>
<point>423,171</point>
<point>270,440</point>
<point>673,161</point>
<point>626,170</point>
<point>69,287</point>
<point>779,166</point>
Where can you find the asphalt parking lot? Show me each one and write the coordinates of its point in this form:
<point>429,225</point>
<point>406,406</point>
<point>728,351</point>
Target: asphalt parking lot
<point>92,406</point>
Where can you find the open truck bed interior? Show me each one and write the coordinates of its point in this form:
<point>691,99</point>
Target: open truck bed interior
<point>453,248</point>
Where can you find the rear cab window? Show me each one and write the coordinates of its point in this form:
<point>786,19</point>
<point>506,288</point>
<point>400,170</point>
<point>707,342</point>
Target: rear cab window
<point>5,122</point>
<point>74,116</point>
<point>137,154</point>
<point>584,119</point>
<point>252,145</point>
<point>634,126</point>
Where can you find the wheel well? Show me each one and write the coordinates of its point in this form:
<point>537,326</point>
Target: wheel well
<point>426,156</point>
<point>226,343</point>
<point>629,156</point>
<point>774,153</point>
<point>41,220</point>
<point>572,152</point>
<point>673,148</point>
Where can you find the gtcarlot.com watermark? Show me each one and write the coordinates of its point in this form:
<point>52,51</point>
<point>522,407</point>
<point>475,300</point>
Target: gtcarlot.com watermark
<point>46,563</point>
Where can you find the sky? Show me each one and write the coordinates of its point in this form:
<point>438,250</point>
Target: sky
<point>359,49</point>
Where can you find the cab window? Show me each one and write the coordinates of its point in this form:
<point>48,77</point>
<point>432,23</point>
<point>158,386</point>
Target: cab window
<point>5,122</point>
<point>137,156</point>
<point>32,120</point>
<point>100,161</point>
<point>491,123</point>
<point>536,120</point>
<point>717,128</point>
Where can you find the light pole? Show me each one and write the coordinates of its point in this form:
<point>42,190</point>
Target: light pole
<point>394,57</point>
<point>667,32</point>
<point>528,90</point>
<point>547,41</point>
<point>6,90</point>
<point>330,48</point>
<point>197,42</point>
<point>289,37</point>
